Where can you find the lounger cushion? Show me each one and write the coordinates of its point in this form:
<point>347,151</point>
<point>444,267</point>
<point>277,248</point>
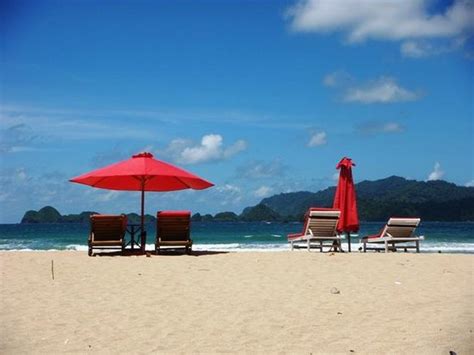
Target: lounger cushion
<point>173,214</point>
<point>294,235</point>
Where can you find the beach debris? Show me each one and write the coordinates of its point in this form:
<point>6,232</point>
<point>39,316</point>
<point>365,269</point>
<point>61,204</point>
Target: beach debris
<point>452,352</point>
<point>52,269</point>
<point>352,351</point>
<point>139,274</point>
<point>331,254</point>
<point>148,255</point>
<point>66,341</point>
<point>339,312</point>
<point>335,291</point>
<point>398,283</point>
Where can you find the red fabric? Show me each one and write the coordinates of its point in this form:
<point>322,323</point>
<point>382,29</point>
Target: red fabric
<point>142,168</point>
<point>173,213</point>
<point>294,235</point>
<point>345,198</point>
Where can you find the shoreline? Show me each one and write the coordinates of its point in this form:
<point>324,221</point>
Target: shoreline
<point>237,302</point>
<point>451,249</point>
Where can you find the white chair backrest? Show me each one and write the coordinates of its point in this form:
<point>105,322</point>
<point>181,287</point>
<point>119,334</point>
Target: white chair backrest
<point>322,223</point>
<point>401,227</point>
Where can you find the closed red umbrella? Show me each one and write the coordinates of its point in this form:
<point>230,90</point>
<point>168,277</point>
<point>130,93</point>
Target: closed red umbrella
<point>142,173</point>
<point>345,199</point>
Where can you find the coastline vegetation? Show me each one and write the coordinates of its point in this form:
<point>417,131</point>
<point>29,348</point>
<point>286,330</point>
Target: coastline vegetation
<point>377,201</point>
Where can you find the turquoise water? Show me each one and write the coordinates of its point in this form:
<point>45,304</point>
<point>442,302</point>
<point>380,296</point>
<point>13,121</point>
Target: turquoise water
<point>452,237</point>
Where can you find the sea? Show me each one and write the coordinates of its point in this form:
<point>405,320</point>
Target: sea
<point>444,237</point>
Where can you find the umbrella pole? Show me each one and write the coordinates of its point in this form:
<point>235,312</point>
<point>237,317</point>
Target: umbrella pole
<point>349,241</point>
<point>142,222</point>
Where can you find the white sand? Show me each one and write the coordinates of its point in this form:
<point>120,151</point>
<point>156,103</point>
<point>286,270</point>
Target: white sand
<point>237,302</point>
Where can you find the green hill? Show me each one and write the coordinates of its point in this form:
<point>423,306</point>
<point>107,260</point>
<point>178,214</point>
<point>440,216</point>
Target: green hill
<point>376,201</point>
<point>393,196</point>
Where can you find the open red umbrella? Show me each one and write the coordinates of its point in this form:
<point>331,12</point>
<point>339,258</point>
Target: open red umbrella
<point>345,199</point>
<point>142,173</point>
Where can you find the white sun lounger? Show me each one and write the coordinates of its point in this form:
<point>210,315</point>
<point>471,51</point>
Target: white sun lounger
<point>319,227</point>
<point>398,233</point>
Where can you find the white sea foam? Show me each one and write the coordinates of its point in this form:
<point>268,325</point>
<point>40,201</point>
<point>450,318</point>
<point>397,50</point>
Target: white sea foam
<point>78,247</point>
<point>425,247</point>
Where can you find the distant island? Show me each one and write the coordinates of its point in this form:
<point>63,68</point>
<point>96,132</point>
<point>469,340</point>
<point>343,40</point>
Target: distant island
<point>377,201</point>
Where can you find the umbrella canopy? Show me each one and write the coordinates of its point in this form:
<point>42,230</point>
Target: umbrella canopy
<point>345,198</point>
<point>142,173</point>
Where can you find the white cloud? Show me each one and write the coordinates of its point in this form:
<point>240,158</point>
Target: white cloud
<point>381,90</point>
<point>237,147</point>
<point>374,127</point>
<point>389,19</point>
<point>437,173</point>
<point>211,148</point>
<point>414,49</point>
<point>24,128</point>
<point>17,137</point>
<point>470,183</point>
<point>261,169</point>
<point>107,196</point>
<point>263,191</point>
<point>423,48</point>
<point>228,194</point>
<point>317,139</point>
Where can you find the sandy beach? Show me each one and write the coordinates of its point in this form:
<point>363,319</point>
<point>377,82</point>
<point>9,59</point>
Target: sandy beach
<point>277,302</point>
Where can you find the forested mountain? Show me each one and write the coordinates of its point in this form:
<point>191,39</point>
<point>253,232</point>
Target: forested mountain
<point>376,201</point>
<point>393,196</point>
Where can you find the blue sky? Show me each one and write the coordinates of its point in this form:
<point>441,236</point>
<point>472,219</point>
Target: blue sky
<point>259,97</point>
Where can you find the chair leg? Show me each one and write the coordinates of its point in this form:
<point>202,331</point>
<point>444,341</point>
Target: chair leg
<point>365,247</point>
<point>417,246</point>
<point>291,243</point>
<point>309,246</point>
<point>386,246</point>
<point>89,249</point>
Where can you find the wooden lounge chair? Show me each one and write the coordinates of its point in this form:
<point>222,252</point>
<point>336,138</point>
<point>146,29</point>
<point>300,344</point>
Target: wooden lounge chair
<point>397,233</point>
<point>173,230</point>
<point>319,227</point>
<point>107,232</point>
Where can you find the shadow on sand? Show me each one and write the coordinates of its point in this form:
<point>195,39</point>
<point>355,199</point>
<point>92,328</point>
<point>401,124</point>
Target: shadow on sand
<point>162,253</point>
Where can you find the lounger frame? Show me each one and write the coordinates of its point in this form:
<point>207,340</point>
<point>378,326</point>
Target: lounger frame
<point>173,229</point>
<point>398,233</point>
<point>107,232</point>
<point>319,231</point>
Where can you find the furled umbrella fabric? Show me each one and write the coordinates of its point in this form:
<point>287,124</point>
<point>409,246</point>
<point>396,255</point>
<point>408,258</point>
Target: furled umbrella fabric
<point>142,173</point>
<point>345,198</point>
